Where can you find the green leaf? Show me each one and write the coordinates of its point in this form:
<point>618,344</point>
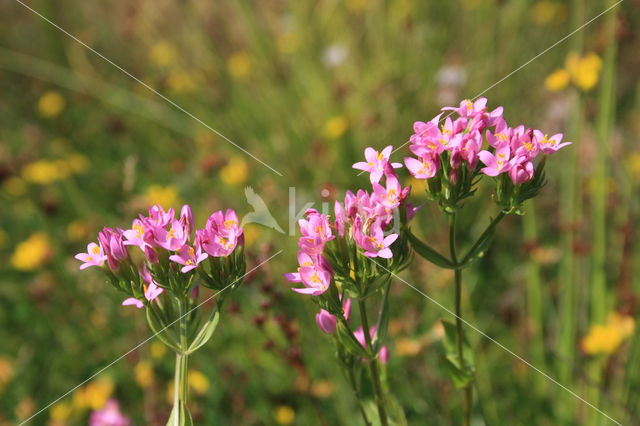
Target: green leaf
<point>480,247</point>
<point>180,416</point>
<point>350,342</point>
<point>395,411</point>
<point>429,253</point>
<point>383,320</point>
<point>206,331</point>
<point>461,378</point>
<point>160,331</point>
<point>461,375</point>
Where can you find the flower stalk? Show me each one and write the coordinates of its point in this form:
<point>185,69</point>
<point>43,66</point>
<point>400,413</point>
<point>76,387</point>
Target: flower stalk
<point>467,390</point>
<point>373,367</point>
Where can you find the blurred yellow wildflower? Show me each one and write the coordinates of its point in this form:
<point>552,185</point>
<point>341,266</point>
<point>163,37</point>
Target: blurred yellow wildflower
<point>336,127</point>
<point>162,54</point>
<point>557,80</point>
<point>288,42</point>
<point>157,350</point>
<point>582,71</point>
<point>51,104</point>
<point>44,172</point>
<point>198,382</point>
<point>32,253</point>
<point>166,196</point>
<point>60,411</point>
<point>585,71</point>
<point>144,374</point>
<point>181,81</point>
<point>284,415</point>
<point>78,230</point>
<point>94,395</point>
<point>546,11</point>
<point>239,65</point>
<point>14,186</point>
<point>605,339</point>
<point>322,389</point>
<point>6,372</point>
<point>236,171</point>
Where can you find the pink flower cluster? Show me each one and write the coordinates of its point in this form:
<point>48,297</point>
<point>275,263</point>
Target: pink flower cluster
<point>364,217</point>
<point>161,230</point>
<point>462,139</point>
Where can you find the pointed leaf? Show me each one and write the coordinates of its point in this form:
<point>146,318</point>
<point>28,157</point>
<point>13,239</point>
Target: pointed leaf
<point>462,375</point>
<point>429,253</point>
<point>350,342</point>
<point>480,247</point>
<point>160,331</point>
<point>206,331</point>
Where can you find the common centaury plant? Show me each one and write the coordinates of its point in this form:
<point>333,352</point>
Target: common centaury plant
<point>349,260</point>
<point>164,273</point>
<point>451,158</point>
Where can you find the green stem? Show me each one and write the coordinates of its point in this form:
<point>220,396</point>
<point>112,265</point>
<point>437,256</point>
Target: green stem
<point>373,366</point>
<point>354,386</point>
<point>180,386</point>
<point>468,391</point>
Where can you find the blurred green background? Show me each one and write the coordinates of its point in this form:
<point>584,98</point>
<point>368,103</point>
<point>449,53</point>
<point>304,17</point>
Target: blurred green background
<point>305,86</point>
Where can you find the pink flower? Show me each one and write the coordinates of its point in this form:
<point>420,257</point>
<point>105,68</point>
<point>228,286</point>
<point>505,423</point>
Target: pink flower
<point>424,168</point>
<point>314,274</point>
<point>133,301</point>
<point>326,322</point>
<point>158,217</point>
<point>496,164</point>
<point>346,308</point>
<point>375,244</point>
<point>172,238</point>
<point>186,220</point>
<point>113,245</point>
<point>93,257</point>
<point>221,234</point>
<point>136,235</point>
<point>151,292</point>
<point>411,211</point>
<point>341,219</point>
<point>109,415</point>
<point>501,134</point>
<point>316,226</point>
<point>524,144</point>
<point>359,334</point>
<point>389,196</point>
<point>549,145</point>
<point>189,257</point>
<point>521,170</point>
<point>376,163</point>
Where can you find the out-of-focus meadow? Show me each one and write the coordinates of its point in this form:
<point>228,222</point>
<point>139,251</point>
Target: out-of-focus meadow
<point>305,86</point>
